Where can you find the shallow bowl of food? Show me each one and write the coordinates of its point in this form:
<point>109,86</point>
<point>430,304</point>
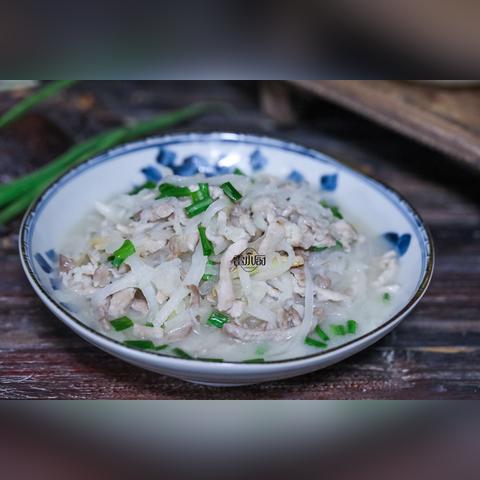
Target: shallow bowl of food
<point>225,259</point>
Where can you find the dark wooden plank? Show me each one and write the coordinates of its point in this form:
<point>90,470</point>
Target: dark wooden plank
<point>446,119</point>
<point>434,353</point>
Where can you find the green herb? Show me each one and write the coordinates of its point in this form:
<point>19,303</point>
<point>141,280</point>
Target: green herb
<point>20,193</point>
<point>338,245</point>
<point>149,324</point>
<point>321,333</point>
<point>237,171</point>
<point>207,276</point>
<point>317,249</point>
<point>315,343</point>
<point>202,192</point>
<point>160,347</point>
<point>334,209</point>
<point>147,185</point>
<point>261,350</point>
<point>207,245</point>
<point>197,207</point>
<point>205,359</point>
<point>339,330</point>
<point>120,255</point>
<point>254,360</point>
<point>231,192</point>
<point>22,107</point>
<point>140,344</point>
<point>351,326</point>
<point>386,297</point>
<point>181,353</point>
<point>121,323</point>
<point>217,319</point>
<point>169,190</point>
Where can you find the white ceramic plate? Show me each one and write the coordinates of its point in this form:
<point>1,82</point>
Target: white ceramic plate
<point>49,220</point>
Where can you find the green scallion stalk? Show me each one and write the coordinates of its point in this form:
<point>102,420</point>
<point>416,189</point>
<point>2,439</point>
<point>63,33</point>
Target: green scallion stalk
<point>217,319</point>
<point>321,334</point>
<point>315,343</point>
<point>351,326</point>
<point>198,207</point>
<point>207,245</point>
<point>121,323</point>
<point>386,297</point>
<point>338,330</point>
<point>338,245</point>
<point>21,192</point>
<point>231,192</point>
<point>206,359</point>
<point>22,107</point>
<point>149,324</point>
<point>254,360</point>
<point>147,185</point>
<point>181,353</point>
<point>169,190</point>
<point>237,171</point>
<point>120,255</point>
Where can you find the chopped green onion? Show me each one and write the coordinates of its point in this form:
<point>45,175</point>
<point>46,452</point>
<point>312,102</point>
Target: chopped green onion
<point>334,209</point>
<point>338,245</point>
<point>237,171</point>
<point>181,353</point>
<point>149,324</point>
<point>120,255</point>
<point>317,249</point>
<point>315,343</point>
<point>321,333</point>
<point>231,192</point>
<point>147,185</point>
<point>160,347</point>
<point>205,359</point>
<point>207,275</point>
<point>351,326</point>
<point>141,344</point>
<point>170,190</point>
<point>207,245</point>
<point>217,319</point>
<point>121,323</point>
<point>202,192</point>
<point>339,330</point>
<point>386,297</point>
<point>198,207</point>
<point>254,360</point>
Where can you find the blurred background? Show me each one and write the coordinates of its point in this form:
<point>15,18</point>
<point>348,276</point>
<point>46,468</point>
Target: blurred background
<point>271,440</point>
<point>214,39</point>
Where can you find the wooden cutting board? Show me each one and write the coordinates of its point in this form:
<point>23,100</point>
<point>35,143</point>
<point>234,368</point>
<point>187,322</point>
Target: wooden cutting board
<point>445,118</point>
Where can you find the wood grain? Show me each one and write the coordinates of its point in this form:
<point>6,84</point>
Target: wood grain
<point>434,353</point>
<point>447,119</point>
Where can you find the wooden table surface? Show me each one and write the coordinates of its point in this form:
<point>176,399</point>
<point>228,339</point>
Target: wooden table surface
<point>434,353</point>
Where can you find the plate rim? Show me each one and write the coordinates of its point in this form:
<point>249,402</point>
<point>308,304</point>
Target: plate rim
<point>26,230</point>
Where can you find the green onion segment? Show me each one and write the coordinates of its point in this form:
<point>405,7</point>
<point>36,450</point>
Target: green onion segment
<point>217,319</point>
<point>231,192</point>
<point>120,255</point>
<point>315,343</point>
<point>207,245</point>
<point>197,207</point>
<point>169,190</point>
<point>121,323</point>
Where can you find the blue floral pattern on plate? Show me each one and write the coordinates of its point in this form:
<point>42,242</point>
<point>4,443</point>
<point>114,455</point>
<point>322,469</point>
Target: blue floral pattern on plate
<point>329,182</point>
<point>399,242</point>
